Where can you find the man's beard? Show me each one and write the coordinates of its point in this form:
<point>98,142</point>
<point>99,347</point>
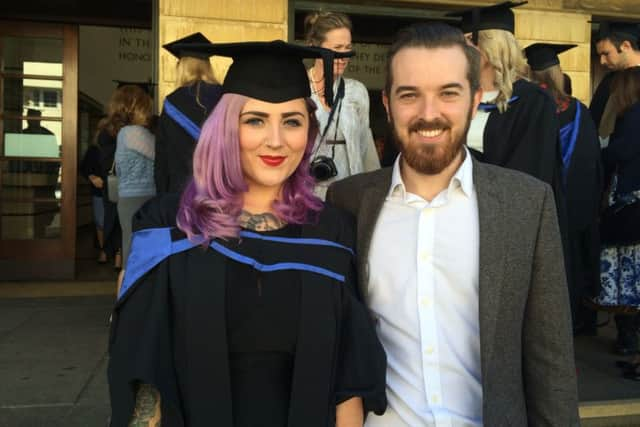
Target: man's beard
<point>430,159</point>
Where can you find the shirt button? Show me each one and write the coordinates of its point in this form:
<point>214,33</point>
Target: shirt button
<point>425,302</point>
<point>429,349</point>
<point>435,399</point>
<point>424,256</point>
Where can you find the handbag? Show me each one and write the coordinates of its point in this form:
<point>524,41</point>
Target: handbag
<point>619,223</point>
<point>112,184</point>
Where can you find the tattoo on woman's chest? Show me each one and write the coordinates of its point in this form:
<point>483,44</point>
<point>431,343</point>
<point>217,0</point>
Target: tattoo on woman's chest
<point>260,222</point>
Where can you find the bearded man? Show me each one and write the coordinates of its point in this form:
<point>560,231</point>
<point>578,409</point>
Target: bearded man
<point>460,262</point>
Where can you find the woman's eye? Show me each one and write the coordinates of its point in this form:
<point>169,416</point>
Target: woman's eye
<point>253,121</point>
<point>293,123</point>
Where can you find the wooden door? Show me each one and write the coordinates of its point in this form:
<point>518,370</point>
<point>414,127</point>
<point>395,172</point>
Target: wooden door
<point>38,150</point>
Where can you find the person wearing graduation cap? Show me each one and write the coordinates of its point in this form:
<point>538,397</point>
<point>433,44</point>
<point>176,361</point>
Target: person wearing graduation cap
<point>516,125</point>
<point>184,110</point>
<point>581,176</point>
<point>238,305</point>
<point>617,46</point>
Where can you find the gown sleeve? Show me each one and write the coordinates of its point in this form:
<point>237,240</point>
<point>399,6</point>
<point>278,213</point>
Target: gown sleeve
<point>362,363</point>
<point>140,343</point>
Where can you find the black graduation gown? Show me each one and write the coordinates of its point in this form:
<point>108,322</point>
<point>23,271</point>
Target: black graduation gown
<point>525,137</point>
<point>584,181</point>
<point>174,145</point>
<point>600,98</point>
<point>169,330</point>
<point>112,230</point>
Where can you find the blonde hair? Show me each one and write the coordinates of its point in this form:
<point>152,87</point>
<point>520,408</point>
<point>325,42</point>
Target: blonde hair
<point>318,24</point>
<point>129,105</point>
<point>191,70</point>
<point>503,52</point>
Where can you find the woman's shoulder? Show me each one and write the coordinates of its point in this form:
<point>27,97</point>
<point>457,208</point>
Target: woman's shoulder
<point>135,131</point>
<point>334,224</point>
<point>353,86</point>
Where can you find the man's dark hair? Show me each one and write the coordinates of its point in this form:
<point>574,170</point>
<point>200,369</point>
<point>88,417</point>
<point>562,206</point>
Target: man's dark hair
<point>434,35</point>
<point>617,39</point>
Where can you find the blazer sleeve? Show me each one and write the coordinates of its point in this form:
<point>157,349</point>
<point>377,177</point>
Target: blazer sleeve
<point>548,358</point>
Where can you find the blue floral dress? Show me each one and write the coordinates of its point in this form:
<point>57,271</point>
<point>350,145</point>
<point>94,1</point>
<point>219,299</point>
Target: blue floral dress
<point>619,271</point>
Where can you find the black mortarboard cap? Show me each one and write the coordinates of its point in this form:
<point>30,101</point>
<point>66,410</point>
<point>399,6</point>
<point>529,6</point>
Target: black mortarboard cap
<point>146,86</point>
<point>272,71</point>
<point>181,48</point>
<point>624,29</point>
<point>541,56</point>
<point>495,17</point>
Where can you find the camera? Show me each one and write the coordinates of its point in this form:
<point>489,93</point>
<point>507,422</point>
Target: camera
<point>323,168</point>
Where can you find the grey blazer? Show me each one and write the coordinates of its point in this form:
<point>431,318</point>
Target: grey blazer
<point>526,343</point>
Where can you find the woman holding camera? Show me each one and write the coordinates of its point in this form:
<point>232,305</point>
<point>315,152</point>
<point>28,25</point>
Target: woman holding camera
<point>238,308</point>
<point>344,145</point>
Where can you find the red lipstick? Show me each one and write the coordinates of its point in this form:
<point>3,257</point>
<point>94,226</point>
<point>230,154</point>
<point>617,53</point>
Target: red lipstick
<point>273,160</point>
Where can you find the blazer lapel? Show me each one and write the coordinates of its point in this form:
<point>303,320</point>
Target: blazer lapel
<point>491,257</point>
<point>373,198</point>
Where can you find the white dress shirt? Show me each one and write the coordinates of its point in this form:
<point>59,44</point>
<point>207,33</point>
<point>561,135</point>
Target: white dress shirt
<point>423,293</point>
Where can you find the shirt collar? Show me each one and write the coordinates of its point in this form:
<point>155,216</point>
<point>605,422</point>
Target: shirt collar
<point>463,178</point>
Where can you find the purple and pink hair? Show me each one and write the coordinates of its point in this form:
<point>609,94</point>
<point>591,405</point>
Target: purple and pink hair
<point>212,201</point>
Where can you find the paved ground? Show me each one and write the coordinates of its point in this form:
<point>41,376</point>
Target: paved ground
<point>53,362</point>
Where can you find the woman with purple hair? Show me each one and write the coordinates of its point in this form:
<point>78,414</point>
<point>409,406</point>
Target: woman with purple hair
<point>238,306</point>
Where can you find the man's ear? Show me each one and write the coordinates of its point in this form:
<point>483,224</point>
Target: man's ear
<point>385,102</point>
<point>625,46</point>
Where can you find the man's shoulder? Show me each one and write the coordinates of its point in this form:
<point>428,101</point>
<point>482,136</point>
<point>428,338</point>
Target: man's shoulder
<point>509,180</point>
<point>362,180</point>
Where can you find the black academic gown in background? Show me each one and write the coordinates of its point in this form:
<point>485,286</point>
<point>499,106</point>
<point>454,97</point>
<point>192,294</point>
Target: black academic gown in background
<point>112,230</point>
<point>169,330</point>
<point>584,181</point>
<point>174,145</point>
<point>526,138</point>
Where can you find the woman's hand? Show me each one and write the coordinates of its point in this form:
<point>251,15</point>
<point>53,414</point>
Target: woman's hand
<point>349,413</point>
<point>96,181</point>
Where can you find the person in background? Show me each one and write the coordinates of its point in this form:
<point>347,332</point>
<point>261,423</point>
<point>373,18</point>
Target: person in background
<point>516,126</point>
<point>566,84</point>
<point>238,307</point>
<point>108,129</point>
<point>620,225</point>
<point>581,177</point>
<point>91,169</point>
<point>184,111</point>
<point>618,47</point>
<point>34,123</point>
<point>135,151</point>
<point>345,145</point>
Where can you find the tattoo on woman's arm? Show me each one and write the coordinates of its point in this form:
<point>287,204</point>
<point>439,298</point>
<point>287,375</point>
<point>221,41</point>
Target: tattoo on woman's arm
<point>147,410</point>
<point>260,222</point>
